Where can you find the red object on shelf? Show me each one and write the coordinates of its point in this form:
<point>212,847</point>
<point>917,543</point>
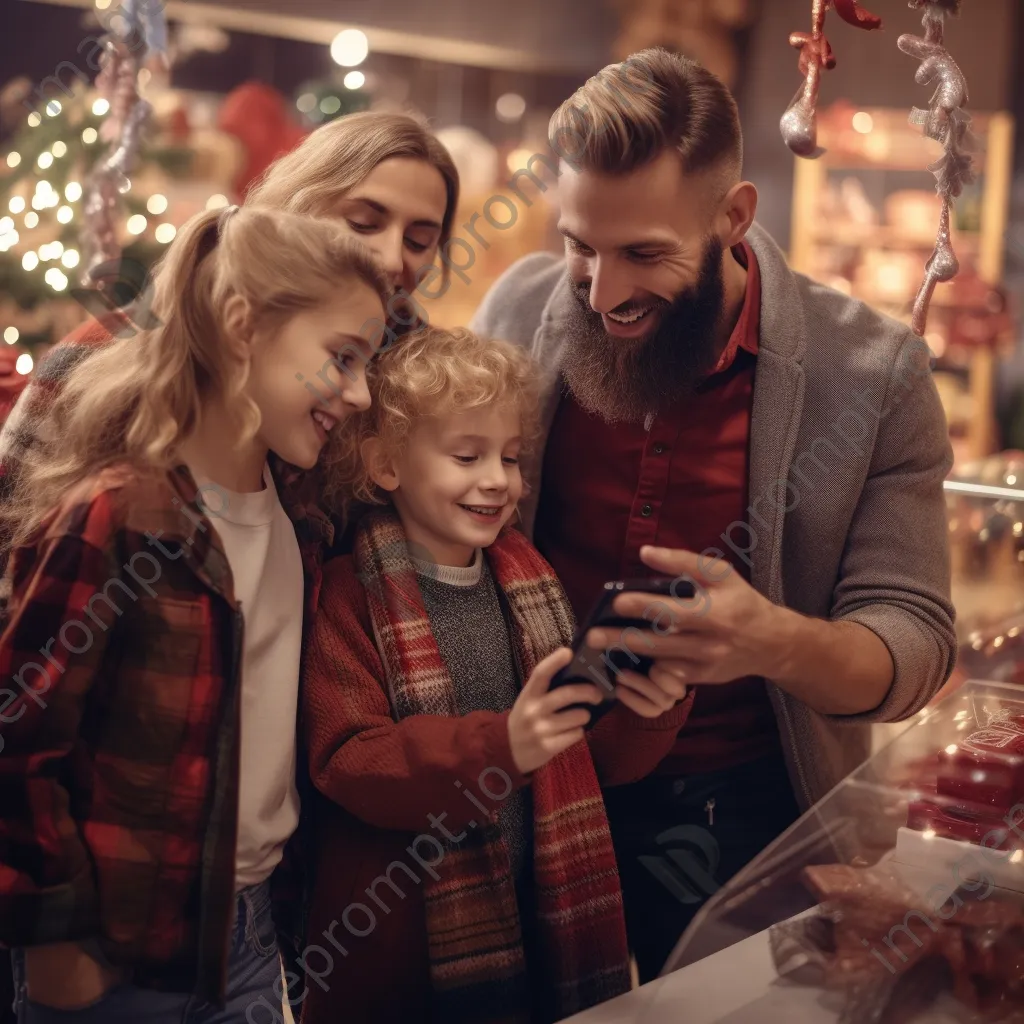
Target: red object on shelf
<point>987,767</point>
<point>961,820</point>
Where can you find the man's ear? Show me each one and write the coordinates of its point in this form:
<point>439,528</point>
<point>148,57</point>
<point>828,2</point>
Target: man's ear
<point>737,212</point>
<point>237,323</point>
<point>379,464</point>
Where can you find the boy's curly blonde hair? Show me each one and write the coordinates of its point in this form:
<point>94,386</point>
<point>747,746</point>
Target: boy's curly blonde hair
<point>431,372</point>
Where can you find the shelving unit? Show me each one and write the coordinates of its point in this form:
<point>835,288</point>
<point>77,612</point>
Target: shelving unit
<point>864,219</point>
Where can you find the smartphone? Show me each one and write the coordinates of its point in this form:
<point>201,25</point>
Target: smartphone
<point>601,667</point>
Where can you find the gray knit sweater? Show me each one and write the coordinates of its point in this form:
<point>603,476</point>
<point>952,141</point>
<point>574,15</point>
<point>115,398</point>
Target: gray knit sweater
<point>470,630</point>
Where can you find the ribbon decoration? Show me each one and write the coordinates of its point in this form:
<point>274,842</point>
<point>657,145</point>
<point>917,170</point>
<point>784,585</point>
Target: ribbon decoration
<point>141,35</point>
<point>799,124</point>
<point>947,121</point>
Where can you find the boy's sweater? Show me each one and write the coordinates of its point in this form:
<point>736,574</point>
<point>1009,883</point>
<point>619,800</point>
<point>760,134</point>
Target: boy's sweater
<point>471,634</point>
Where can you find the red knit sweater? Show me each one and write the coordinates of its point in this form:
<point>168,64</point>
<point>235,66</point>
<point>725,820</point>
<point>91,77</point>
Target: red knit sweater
<point>378,783</point>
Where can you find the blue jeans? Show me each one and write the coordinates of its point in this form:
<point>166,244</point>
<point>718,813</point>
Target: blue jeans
<point>253,993</point>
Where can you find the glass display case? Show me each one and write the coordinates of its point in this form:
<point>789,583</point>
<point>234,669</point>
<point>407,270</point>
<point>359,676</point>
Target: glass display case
<point>986,525</point>
<point>898,898</point>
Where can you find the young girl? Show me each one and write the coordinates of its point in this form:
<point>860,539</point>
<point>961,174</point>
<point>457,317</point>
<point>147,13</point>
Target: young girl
<point>464,869</point>
<point>147,779</point>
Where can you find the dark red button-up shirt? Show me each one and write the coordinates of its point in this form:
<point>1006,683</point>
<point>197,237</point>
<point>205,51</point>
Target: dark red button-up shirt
<point>608,489</point>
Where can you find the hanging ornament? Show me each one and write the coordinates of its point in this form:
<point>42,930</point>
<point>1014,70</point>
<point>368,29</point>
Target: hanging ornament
<point>799,123</point>
<point>946,120</point>
<point>141,40</point>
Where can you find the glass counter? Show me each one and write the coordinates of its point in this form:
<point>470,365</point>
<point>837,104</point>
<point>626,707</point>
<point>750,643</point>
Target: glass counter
<point>899,897</point>
<point>986,526</point>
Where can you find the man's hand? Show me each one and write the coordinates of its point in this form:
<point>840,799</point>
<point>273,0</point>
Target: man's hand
<point>63,976</point>
<point>727,631</point>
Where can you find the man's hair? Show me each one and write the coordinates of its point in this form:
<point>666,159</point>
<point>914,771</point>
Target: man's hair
<point>629,113</point>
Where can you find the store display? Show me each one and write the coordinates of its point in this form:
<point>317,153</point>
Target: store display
<point>900,892</point>
<point>975,953</point>
<point>799,124</point>
<point>875,250</point>
<point>947,121</point>
<point>985,501</point>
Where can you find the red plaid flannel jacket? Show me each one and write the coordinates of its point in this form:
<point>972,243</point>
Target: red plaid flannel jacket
<point>119,722</point>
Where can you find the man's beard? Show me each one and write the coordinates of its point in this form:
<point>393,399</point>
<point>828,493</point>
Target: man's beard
<point>625,379</point>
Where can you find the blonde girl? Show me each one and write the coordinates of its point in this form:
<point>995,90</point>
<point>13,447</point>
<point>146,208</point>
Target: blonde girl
<point>442,762</point>
<point>153,635</point>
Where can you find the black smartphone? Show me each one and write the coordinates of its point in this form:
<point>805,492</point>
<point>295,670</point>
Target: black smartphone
<point>601,666</point>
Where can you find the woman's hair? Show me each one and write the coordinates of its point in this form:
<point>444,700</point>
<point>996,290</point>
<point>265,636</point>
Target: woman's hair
<point>432,372</point>
<point>136,398</point>
<point>335,158</point>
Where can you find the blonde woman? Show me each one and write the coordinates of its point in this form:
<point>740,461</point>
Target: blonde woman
<point>434,742</point>
<point>160,593</point>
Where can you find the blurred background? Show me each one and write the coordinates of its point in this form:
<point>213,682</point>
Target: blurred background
<point>249,78</point>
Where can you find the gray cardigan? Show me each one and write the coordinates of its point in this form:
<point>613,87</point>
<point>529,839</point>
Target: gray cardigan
<point>848,452</point>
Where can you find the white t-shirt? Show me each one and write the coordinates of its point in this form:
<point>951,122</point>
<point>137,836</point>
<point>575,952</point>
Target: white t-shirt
<point>259,540</point>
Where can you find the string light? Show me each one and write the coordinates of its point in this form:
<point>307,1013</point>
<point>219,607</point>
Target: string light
<point>216,202</point>
<point>38,202</point>
<point>70,259</point>
<point>137,224</point>
<point>89,136</point>
<point>350,47</point>
<point>34,120</point>
<point>53,108</point>
<point>59,149</point>
<point>30,261</point>
<point>306,103</point>
<point>156,204</point>
<point>13,159</point>
<point>65,214</point>
<point>56,279</point>
<point>165,233</point>
<point>354,80</point>
<point>45,160</point>
<point>11,335</point>
<point>72,192</point>
<point>24,364</point>
<point>31,220</point>
<point>6,224</point>
<point>16,205</point>
<point>101,107</point>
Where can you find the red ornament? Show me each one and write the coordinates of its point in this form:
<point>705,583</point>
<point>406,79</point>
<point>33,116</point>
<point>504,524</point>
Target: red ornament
<point>852,12</point>
<point>258,116</point>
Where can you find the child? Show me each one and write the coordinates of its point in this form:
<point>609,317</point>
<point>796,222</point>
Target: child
<point>451,774</point>
<point>147,779</point>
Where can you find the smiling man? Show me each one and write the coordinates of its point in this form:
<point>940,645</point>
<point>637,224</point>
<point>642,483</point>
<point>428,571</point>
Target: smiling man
<point>715,416</point>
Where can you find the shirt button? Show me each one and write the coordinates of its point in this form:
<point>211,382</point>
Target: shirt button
<point>659,449</point>
<point>646,511</point>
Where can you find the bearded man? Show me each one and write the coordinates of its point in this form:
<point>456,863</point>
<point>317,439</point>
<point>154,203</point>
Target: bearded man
<point>711,415</point>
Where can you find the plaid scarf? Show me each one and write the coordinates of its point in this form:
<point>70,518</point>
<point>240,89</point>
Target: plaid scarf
<point>476,952</point>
